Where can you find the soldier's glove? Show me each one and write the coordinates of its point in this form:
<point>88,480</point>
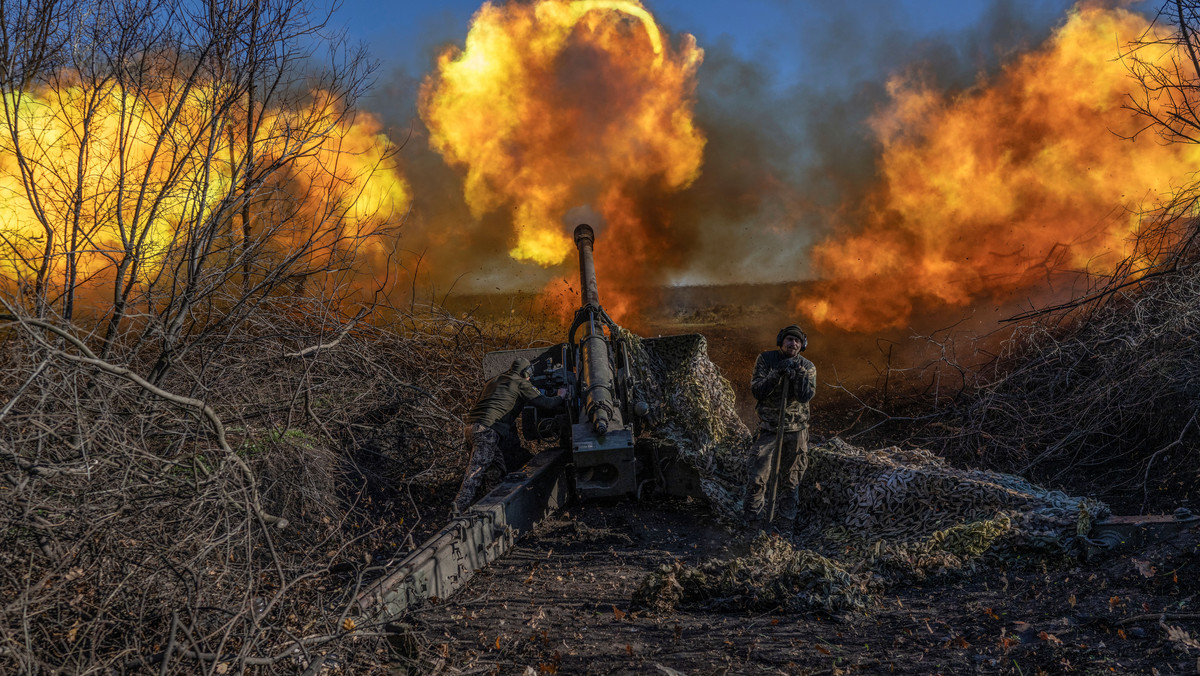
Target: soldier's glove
<point>795,369</point>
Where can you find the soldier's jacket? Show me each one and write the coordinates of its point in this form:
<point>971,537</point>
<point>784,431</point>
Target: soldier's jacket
<point>766,385</point>
<point>502,400</point>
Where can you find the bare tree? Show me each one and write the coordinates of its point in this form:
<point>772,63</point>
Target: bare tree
<point>142,131</point>
<point>180,205</point>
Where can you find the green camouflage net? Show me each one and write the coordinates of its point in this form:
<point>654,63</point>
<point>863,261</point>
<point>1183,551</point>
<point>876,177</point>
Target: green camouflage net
<point>900,514</point>
<point>909,495</point>
<point>691,408</point>
<point>773,576</point>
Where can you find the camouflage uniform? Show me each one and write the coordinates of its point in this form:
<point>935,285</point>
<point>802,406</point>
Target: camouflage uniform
<point>491,433</point>
<point>767,387</point>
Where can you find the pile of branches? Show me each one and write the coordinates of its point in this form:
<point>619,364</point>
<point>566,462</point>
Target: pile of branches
<point>225,517</point>
<point>1101,393</point>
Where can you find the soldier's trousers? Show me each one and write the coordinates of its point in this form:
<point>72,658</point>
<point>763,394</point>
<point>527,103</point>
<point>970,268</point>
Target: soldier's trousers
<point>794,460</point>
<point>486,467</point>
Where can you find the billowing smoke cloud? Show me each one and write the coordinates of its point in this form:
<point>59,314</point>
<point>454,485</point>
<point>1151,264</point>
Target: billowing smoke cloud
<point>790,157</point>
<point>785,161</point>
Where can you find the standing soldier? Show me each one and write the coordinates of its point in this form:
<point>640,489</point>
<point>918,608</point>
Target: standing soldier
<point>783,383</point>
<point>491,431</point>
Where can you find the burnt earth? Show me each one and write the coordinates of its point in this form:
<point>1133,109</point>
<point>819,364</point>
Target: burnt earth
<point>561,603</point>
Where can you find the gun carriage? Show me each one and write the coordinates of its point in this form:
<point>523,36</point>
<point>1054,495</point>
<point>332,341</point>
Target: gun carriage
<point>600,450</point>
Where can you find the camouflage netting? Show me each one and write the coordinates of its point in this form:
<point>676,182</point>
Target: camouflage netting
<point>774,575</point>
<point>900,514</point>
<point>691,407</point>
<point>913,496</point>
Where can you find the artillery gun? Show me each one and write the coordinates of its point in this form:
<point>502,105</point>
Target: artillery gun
<point>600,451</point>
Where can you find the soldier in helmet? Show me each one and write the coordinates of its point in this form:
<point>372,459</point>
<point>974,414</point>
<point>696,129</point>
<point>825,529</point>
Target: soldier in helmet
<point>491,431</point>
<point>772,370</point>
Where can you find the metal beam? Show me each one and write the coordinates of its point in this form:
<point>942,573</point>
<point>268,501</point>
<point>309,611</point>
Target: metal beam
<point>444,563</point>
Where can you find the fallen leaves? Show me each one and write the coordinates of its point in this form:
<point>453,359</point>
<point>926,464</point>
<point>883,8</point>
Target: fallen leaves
<point>539,616</point>
<point>1181,636</point>
<point>1145,568</point>
<point>1049,638</point>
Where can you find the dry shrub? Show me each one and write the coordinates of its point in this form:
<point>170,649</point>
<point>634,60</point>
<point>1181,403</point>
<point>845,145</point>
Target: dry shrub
<point>1101,395</point>
<point>1098,395</point>
<point>1103,392</point>
<point>136,537</point>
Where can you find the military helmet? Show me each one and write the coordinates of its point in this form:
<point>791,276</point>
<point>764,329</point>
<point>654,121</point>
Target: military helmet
<point>792,330</point>
<point>520,365</point>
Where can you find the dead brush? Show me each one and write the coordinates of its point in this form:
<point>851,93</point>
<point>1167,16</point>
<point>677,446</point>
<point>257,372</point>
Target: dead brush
<point>1102,395</point>
<point>224,520</point>
<point>1099,395</point>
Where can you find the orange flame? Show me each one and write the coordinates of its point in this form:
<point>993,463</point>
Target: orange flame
<point>979,192</point>
<point>89,150</point>
<point>556,104</point>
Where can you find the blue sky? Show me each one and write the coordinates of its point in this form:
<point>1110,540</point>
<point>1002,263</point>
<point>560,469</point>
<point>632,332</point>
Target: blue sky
<point>783,33</point>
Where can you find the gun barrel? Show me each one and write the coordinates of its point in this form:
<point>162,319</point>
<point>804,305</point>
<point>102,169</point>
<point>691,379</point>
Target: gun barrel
<point>585,238</point>
<point>597,380</point>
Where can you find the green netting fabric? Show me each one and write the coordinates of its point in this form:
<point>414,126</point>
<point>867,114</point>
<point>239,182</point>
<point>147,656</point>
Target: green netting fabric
<point>898,514</point>
<point>774,575</point>
<point>902,495</point>
<point>692,409</point>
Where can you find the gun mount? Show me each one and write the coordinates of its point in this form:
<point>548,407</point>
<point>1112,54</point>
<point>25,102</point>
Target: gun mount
<point>604,426</point>
<point>601,441</point>
<point>599,452</point>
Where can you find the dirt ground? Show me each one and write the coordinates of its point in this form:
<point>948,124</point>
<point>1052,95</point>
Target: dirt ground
<point>561,603</point>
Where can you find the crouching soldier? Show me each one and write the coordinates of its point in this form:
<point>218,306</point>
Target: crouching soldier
<point>491,431</point>
<point>783,383</point>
